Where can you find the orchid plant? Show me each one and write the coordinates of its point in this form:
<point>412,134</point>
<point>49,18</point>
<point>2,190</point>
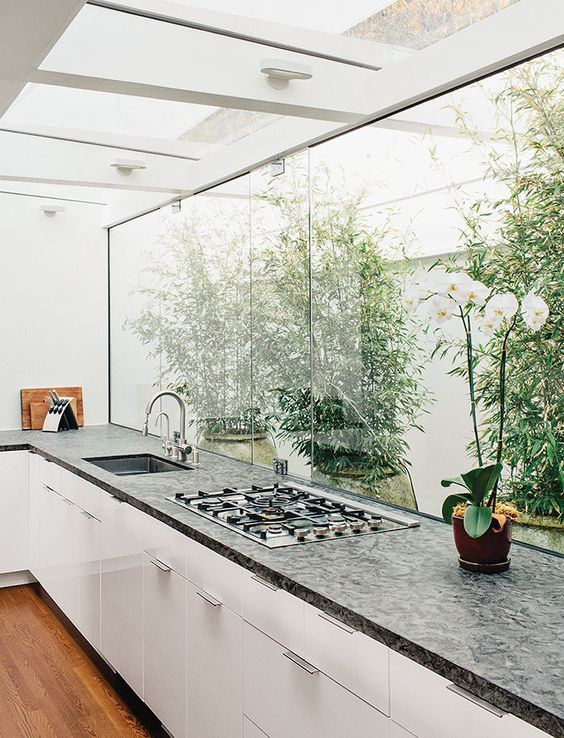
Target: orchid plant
<point>455,294</point>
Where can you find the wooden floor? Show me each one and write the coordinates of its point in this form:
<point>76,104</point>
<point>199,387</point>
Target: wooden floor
<point>49,687</point>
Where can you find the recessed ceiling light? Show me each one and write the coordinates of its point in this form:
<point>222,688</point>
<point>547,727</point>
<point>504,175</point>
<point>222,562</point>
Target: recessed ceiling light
<point>281,71</point>
<point>51,210</point>
<point>126,166</point>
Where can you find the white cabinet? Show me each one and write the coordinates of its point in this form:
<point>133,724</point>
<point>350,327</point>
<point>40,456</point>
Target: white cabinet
<point>352,659</point>
<point>215,642</point>
<point>57,551</point>
<point>398,732</point>
<point>35,495</point>
<point>285,695</point>
<point>123,541</point>
<point>429,706</point>
<point>14,511</point>
<point>164,624</point>
<point>215,574</point>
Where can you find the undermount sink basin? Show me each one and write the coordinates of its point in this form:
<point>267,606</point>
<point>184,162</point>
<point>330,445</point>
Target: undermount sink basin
<point>132,464</point>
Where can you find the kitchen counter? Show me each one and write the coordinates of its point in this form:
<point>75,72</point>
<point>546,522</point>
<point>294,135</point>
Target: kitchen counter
<point>497,636</point>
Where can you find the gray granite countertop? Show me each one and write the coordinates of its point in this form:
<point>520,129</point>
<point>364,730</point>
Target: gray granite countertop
<point>497,636</point>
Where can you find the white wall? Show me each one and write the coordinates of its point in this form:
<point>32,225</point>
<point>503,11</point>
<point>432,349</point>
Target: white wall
<point>53,319</point>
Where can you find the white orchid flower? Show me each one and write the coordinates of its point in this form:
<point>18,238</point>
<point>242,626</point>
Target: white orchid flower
<point>488,324</point>
<point>412,297</point>
<point>534,311</point>
<point>440,308</point>
<point>504,305</point>
<point>478,293</point>
<point>455,285</point>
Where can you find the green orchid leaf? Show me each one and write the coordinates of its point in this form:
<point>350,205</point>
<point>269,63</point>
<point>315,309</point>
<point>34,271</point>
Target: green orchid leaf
<point>456,480</point>
<point>481,481</point>
<point>477,520</point>
<point>450,503</point>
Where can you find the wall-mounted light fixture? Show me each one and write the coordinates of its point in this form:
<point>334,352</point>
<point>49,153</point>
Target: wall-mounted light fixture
<point>126,166</point>
<point>51,210</point>
<point>280,72</point>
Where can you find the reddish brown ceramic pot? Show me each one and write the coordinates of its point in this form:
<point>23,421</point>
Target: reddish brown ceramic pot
<point>490,549</point>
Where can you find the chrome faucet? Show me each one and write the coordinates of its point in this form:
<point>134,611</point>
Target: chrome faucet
<point>182,451</point>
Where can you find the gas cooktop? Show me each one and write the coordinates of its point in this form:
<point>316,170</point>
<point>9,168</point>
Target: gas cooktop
<point>284,515</point>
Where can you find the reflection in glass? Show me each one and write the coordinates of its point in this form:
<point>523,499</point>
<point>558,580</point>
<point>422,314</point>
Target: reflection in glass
<point>201,331</point>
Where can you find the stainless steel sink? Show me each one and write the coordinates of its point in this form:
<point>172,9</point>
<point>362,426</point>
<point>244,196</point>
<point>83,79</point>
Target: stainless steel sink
<point>131,464</point>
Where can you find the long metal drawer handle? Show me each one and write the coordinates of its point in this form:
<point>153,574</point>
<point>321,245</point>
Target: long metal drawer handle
<point>302,663</point>
<point>475,700</point>
<point>208,598</point>
<point>159,564</point>
<point>338,623</point>
<point>262,581</point>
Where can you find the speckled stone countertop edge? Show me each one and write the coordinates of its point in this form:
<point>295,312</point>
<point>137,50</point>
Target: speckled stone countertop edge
<point>462,677</point>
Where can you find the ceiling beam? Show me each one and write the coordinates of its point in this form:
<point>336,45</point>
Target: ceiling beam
<point>28,31</point>
<point>332,46</point>
<point>169,62</point>
<point>50,161</point>
<point>138,144</point>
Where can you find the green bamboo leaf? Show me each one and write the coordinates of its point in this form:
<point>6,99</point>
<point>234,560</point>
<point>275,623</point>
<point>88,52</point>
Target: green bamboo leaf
<point>477,520</point>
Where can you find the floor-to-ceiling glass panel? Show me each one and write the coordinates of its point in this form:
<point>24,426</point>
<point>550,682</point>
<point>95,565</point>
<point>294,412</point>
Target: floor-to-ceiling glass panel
<point>469,181</point>
<point>280,314</point>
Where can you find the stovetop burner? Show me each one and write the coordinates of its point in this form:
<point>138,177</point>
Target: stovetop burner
<point>289,515</point>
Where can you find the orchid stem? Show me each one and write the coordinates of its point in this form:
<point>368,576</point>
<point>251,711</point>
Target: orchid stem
<point>470,360</point>
<point>502,364</point>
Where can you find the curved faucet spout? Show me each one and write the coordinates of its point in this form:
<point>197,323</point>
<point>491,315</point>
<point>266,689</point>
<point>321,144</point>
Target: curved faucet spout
<point>181,447</point>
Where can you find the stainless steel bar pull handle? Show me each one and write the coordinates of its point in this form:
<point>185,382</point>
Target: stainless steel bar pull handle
<point>262,581</point>
<point>159,564</point>
<point>335,622</point>
<point>476,700</point>
<point>302,663</point>
<point>208,598</point>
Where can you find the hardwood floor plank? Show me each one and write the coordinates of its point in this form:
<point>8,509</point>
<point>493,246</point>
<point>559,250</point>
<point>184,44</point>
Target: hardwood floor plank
<point>49,686</point>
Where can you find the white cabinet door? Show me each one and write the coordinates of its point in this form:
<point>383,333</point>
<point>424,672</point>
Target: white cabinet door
<point>428,706</point>
<point>164,627</point>
<point>285,696</point>
<point>14,511</point>
<point>57,557</point>
<point>516,728</point>
<point>123,540</point>
<point>215,643</point>
<point>88,535</point>
<point>273,611</point>
<point>352,659</point>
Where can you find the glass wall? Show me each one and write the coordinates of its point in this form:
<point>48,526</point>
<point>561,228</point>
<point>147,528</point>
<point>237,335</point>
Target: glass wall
<point>308,314</point>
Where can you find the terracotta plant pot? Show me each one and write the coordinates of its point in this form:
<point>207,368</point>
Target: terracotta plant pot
<point>488,554</point>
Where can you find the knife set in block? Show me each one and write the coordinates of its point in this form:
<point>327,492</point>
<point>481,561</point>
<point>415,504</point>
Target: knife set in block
<point>60,415</point>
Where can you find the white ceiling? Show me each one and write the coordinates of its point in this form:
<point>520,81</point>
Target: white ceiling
<point>83,85</point>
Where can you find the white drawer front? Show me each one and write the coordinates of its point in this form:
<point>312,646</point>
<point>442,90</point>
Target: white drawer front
<point>167,545</point>
<point>424,703</point>
<point>215,574</point>
<point>49,474</point>
<point>88,497</point>
<point>278,614</point>
<point>516,728</point>
<point>352,659</point>
<point>286,696</point>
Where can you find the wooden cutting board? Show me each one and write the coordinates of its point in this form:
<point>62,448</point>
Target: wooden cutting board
<point>34,407</point>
